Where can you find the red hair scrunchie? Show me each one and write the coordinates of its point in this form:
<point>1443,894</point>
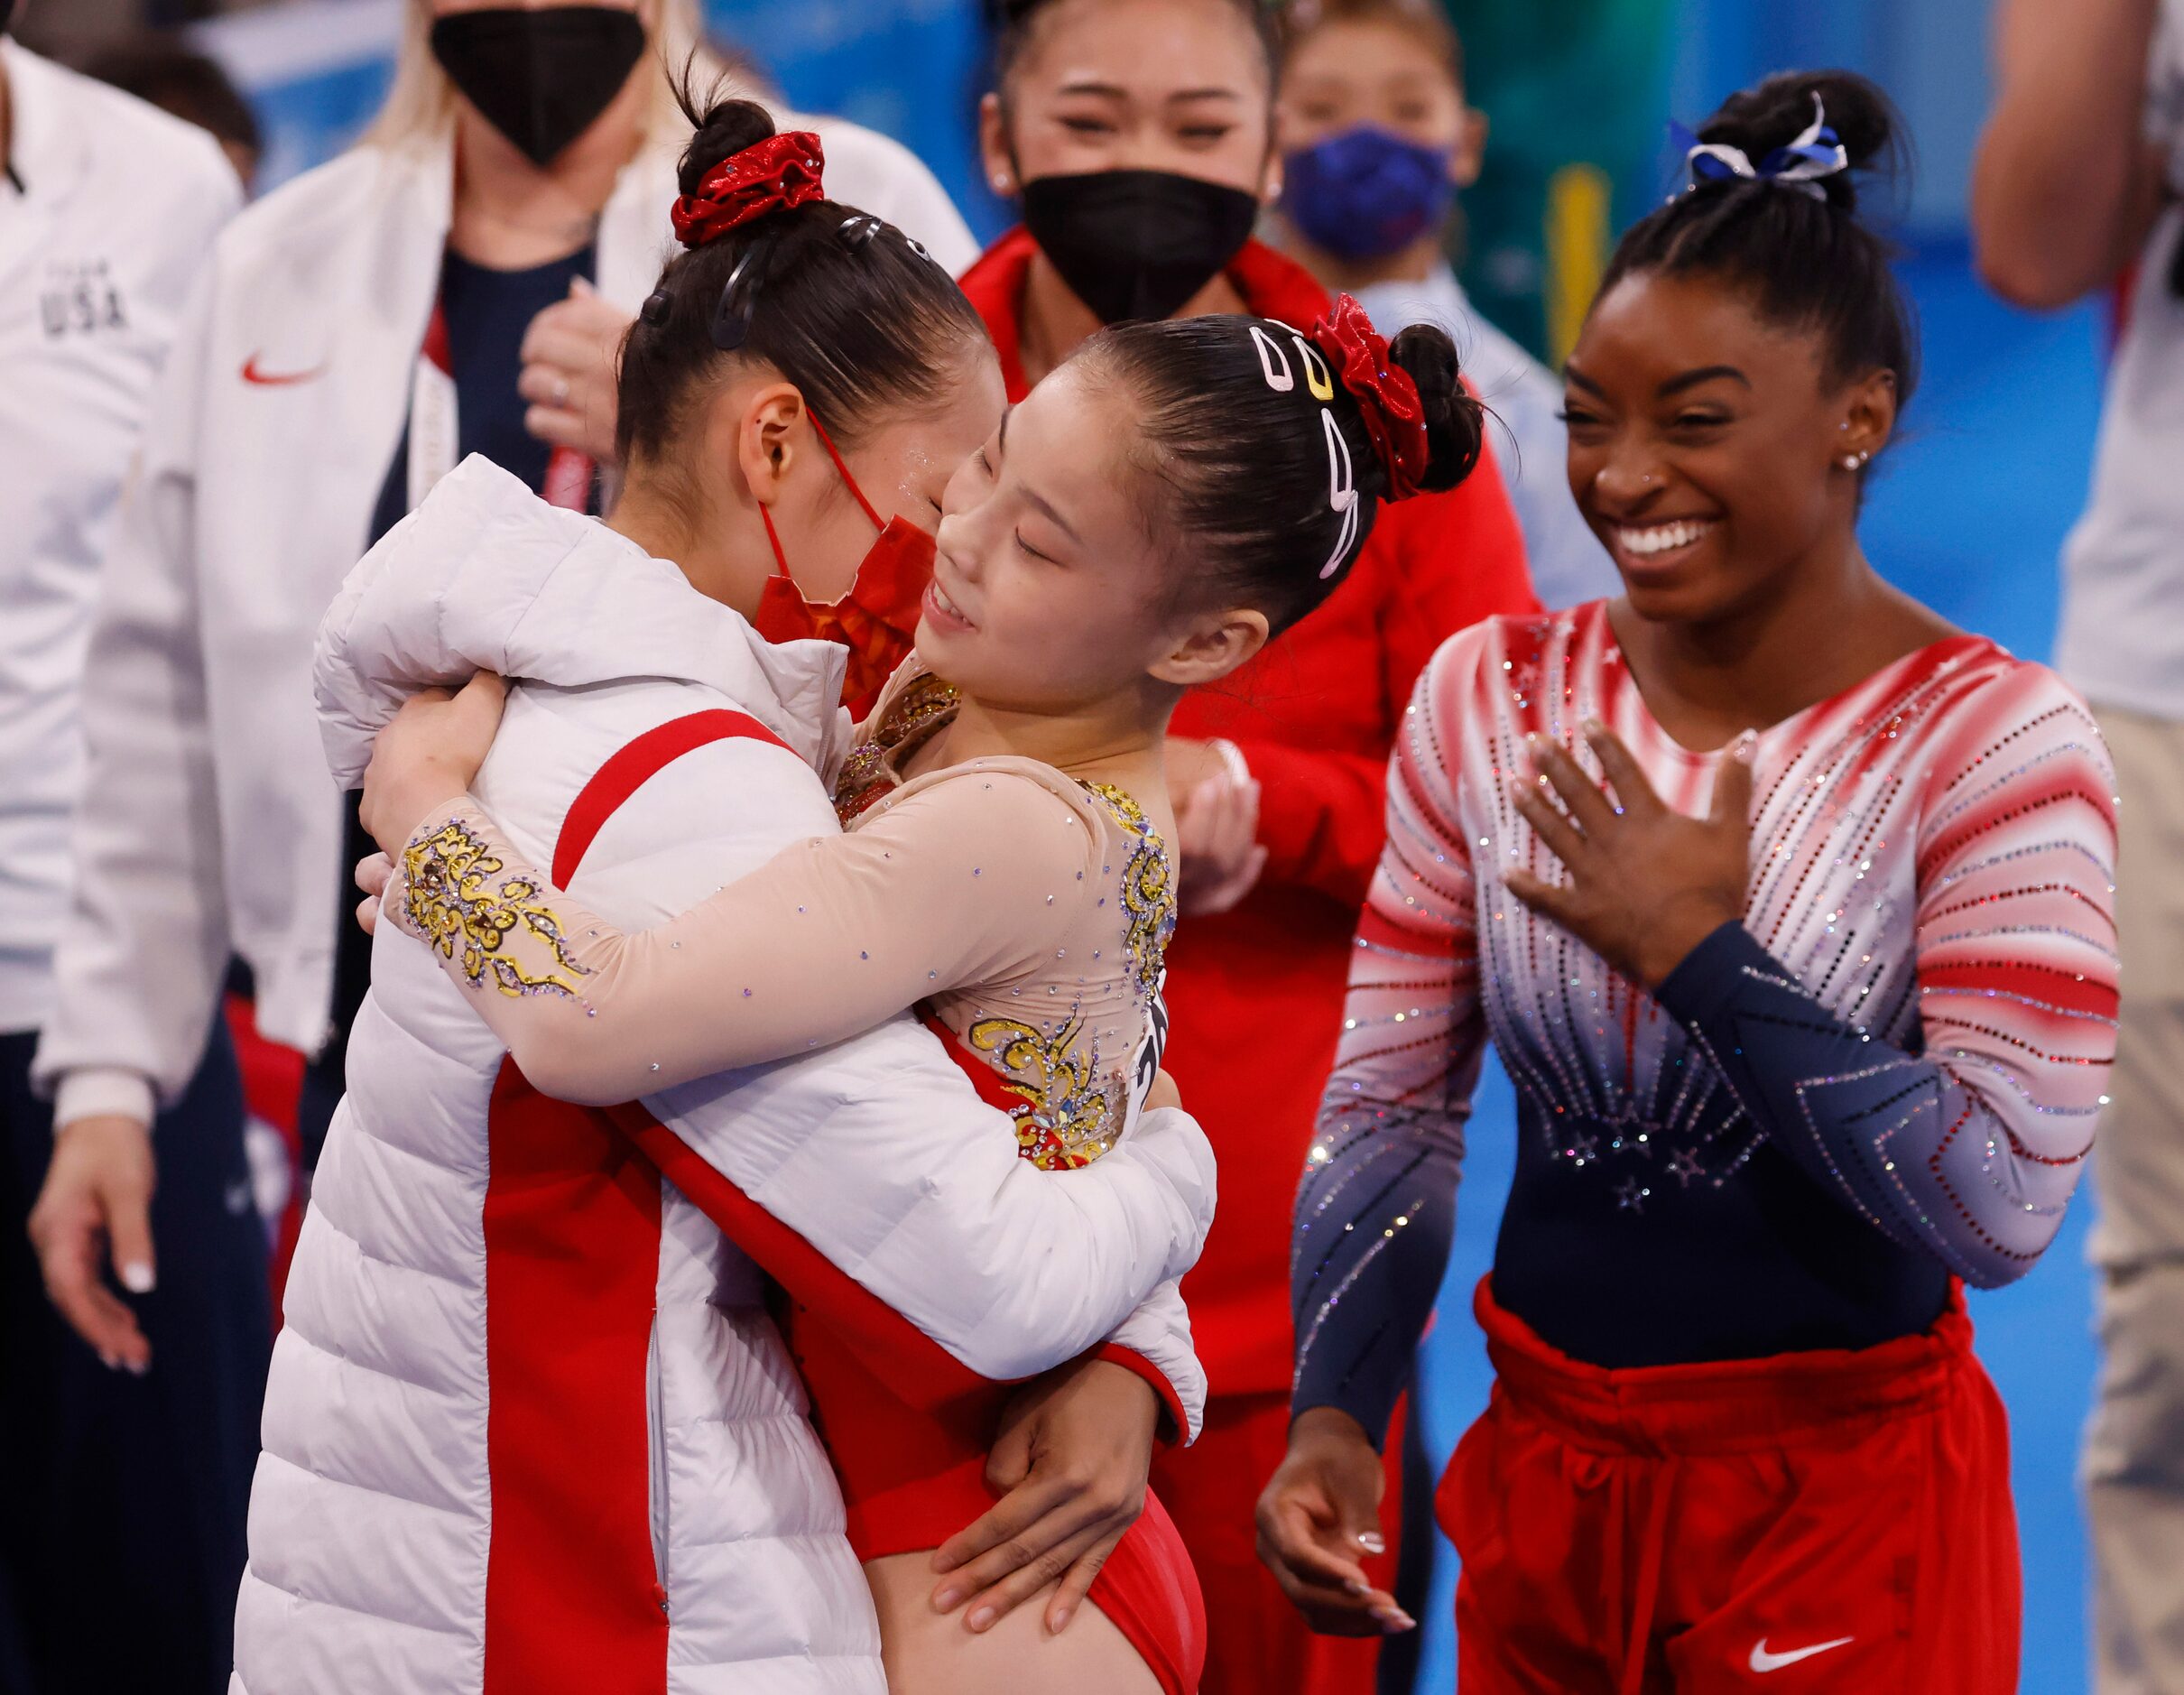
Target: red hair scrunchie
<point>775,174</point>
<point>1387,399</point>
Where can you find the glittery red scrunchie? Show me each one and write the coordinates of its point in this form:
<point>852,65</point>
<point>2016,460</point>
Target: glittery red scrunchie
<point>774,174</point>
<point>1387,399</point>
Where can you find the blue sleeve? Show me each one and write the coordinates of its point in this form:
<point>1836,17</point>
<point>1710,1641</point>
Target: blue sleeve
<point>1922,1147</point>
<point>1375,1214</point>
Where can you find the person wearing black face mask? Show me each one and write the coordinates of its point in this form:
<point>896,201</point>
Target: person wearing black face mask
<point>454,284</point>
<point>1138,135</point>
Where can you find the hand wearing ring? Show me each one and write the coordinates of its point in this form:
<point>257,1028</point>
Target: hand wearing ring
<point>569,378</point>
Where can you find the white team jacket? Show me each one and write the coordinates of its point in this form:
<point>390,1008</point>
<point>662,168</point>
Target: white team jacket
<point>119,205</point>
<point>206,822</point>
<point>528,1427</point>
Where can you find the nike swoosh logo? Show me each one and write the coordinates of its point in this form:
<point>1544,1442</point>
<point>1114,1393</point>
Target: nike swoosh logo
<point>277,379</point>
<point>1762,1660</point>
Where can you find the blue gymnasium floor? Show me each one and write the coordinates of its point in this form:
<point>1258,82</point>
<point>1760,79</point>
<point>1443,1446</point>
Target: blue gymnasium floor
<point>1969,515</point>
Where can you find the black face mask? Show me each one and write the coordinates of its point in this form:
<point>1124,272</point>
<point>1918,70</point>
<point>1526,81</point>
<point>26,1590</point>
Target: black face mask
<point>539,77</point>
<point>1136,243</point>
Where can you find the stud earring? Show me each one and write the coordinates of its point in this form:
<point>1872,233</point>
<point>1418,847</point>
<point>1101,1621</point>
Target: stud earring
<point>1001,183</point>
<point>1856,461</point>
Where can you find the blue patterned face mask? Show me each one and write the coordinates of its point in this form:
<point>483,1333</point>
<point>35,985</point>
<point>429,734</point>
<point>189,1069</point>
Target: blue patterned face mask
<point>1365,193</point>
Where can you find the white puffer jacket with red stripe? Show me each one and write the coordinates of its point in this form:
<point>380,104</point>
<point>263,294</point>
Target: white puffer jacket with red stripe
<point>529,1427</point>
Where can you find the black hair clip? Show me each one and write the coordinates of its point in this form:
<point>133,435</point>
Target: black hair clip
<point>732,315</point>
<point>657,306</point>
<point>857,230</point>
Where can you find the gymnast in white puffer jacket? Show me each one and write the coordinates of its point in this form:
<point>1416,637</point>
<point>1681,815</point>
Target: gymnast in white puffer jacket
<point>529,1427</point>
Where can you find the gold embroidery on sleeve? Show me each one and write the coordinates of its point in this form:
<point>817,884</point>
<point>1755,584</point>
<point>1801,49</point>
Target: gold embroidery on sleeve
<point>448,903</point>
<point>1068,1119</point>
<point>1148,892</point>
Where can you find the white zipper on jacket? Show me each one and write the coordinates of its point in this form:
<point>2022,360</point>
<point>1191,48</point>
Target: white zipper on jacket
<point>656,1458</point>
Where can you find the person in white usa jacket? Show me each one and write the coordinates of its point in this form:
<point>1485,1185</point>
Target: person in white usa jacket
<point>107,209</point>
<point>206,825</point>
<point>529,1427</point>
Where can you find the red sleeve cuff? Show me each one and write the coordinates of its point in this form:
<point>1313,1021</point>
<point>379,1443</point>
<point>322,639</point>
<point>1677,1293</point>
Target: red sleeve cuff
<point>1175,1427</point>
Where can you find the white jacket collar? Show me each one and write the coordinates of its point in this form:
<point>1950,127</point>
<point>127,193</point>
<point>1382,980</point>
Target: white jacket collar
<point>485,575</point>
<point>45,151</point>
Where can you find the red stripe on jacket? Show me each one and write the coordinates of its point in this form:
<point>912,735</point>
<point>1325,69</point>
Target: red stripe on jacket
<point>572,1266</point>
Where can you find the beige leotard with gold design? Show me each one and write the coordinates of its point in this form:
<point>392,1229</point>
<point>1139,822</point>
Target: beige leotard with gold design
<point>1027,911</point>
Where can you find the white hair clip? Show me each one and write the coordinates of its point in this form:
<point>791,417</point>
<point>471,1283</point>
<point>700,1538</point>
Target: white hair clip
<point>1342,494</point>
<point>1319,383</point>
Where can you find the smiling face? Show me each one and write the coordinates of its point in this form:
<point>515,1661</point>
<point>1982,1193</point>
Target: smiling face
<point>1706,444</point>
<point>1180,86</point>
<point>1050,595</point>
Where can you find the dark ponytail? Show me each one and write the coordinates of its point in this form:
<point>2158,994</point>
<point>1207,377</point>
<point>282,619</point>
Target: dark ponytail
<point>1805,259</point>
<point>1235,470</point>
<point>846,307</point>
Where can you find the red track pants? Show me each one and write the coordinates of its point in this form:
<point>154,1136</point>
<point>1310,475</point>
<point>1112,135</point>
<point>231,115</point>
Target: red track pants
<point>1836,1521</point>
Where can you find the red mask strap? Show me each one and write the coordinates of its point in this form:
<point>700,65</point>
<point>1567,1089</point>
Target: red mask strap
<point>781,560</point>
<point>827,440</point>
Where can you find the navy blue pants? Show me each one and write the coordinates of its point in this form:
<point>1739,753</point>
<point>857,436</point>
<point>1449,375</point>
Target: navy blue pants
<point>122,1499</point>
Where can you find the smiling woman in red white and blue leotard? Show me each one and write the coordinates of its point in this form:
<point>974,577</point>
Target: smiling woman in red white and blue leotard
<point>1808,1031</point>
<point>1883,1078</point>
<point>1882,1082</point>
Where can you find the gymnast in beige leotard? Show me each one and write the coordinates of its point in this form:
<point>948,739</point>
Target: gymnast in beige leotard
<point>1024,907</point>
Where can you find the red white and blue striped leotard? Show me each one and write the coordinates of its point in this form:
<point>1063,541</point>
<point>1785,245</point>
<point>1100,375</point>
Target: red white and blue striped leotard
<point>1886,1076</point>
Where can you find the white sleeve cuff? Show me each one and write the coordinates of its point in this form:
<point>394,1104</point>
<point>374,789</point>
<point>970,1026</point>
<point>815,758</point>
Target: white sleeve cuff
<point>96,1091</point>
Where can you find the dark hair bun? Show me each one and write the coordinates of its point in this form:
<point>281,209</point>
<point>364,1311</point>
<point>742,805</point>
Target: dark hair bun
<point>725,128</point>
<point>1456,423</point>
<point>1775,113</point>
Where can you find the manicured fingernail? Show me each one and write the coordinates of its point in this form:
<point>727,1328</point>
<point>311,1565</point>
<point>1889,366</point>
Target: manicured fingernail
<point>1060,1621</point>
<point>1353,1586</point>
<point>137,1368</point>
<point>1593,726</point>
<point>1396,1622</point>
<point>1373,1542</point>
<point>112,1362</point>
<point>136,1278</point>
<point>980,1619</point>
<point>948,1600</point>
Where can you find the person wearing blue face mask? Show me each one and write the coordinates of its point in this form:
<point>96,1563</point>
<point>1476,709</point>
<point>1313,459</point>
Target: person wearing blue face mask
<point>1378,142</point>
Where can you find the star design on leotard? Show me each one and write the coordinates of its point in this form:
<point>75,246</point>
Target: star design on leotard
<point>1684,1166</point>
<point>1631,1193</point>
<point>1583,1148</point>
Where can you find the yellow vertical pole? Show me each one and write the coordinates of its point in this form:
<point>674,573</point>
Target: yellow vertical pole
<point>1576,249</point>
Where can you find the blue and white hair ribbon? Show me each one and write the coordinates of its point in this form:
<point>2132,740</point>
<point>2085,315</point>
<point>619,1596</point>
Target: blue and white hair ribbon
<point>1818,152</point>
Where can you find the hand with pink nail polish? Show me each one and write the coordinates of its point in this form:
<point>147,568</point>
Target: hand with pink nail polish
<point>1642,885</point>
<point>1320,1519</point>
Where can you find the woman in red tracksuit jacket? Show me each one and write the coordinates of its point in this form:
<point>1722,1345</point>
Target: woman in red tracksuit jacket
<point>1138,135</point>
